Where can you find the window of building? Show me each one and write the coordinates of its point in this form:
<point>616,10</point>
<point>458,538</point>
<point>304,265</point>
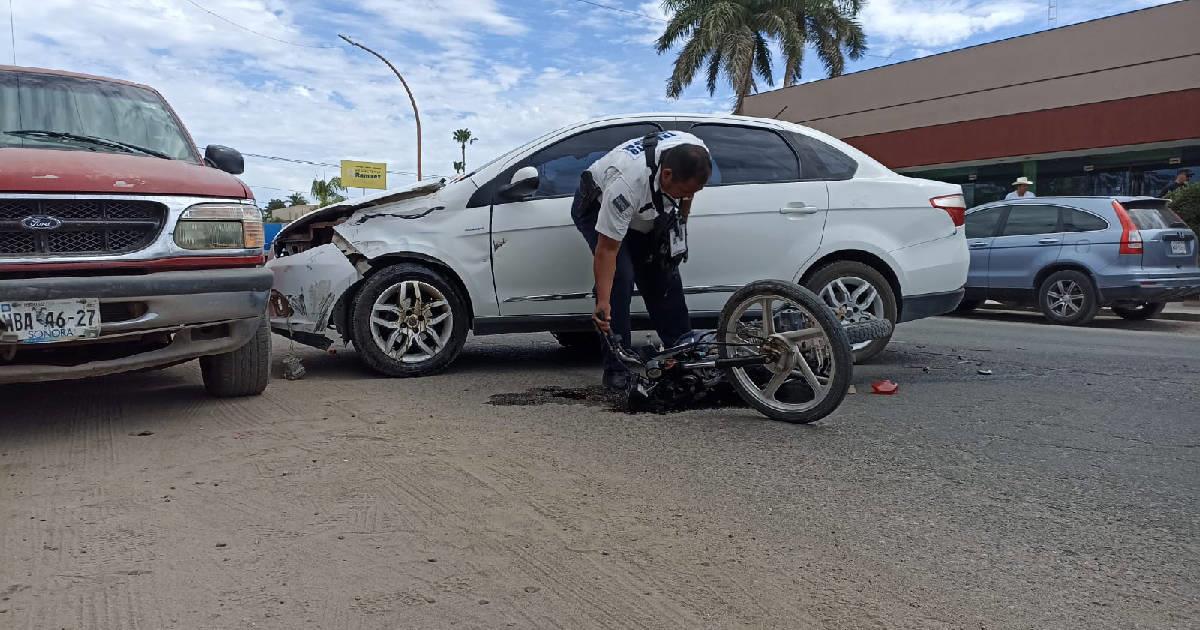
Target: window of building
<point>746,155</point>
<point>1026,219</point>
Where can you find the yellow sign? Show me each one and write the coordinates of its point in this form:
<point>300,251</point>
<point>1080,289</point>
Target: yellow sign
<point>364,174</point>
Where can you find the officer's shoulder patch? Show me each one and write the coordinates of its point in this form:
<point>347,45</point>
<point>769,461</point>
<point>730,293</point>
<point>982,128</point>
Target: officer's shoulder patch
<point>621,204</point>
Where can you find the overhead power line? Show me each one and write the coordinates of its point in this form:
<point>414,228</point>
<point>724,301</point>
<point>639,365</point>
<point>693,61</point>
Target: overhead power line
<point>249,30</point>
<point>312,163</point>
<point>621,10</point>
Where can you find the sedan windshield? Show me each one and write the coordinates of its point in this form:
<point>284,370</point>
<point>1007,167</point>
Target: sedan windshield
<point>48,111</point>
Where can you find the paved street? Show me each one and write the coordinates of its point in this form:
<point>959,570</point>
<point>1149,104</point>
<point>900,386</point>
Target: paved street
<point>1061,491</point>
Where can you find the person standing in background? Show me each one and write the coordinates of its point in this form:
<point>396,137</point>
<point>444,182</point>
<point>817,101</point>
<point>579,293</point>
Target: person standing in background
<point>1182,178</point>
<point>1022,191</point>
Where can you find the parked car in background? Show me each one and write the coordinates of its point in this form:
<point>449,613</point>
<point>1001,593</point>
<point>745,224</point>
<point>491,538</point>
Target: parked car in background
<point>121,246</point>
<point>406,274</point>
<point>1070,256</point>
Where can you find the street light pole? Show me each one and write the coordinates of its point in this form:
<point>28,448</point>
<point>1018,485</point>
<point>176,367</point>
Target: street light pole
<point>416,113</point>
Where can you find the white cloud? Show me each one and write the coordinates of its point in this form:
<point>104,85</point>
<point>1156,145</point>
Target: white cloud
<point>260,96</point>
<point>893,24</point>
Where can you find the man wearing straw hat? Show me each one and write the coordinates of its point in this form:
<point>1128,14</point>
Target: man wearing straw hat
<point>1022,191</point>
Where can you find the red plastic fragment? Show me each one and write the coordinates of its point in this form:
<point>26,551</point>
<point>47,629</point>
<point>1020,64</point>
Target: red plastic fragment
<point>885,388</point>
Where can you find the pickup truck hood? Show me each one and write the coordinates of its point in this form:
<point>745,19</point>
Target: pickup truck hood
<point>410,198</point>
<point>90,172</point>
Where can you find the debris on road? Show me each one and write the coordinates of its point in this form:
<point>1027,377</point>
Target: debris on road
<point>885,387</point>
<point>985,372</point>
<point>142,433</point>
<point>293,369</point>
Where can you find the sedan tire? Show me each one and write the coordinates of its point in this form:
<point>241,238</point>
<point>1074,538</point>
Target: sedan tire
<point>409,320</point>
<point>856,292</point>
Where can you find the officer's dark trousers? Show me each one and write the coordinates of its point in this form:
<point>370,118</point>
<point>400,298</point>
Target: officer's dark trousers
<point>661,290</point>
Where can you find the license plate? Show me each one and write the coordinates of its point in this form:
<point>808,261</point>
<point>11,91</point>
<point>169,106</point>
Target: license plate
<point>1178,247</point>
<point>50,321</point>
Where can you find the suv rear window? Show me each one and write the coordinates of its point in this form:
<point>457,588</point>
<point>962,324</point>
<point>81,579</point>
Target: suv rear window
<point>1153,215</point>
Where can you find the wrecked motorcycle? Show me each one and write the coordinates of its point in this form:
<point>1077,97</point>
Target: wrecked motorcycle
<point>777,345</point>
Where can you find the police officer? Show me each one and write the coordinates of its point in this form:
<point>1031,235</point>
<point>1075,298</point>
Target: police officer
<point>632,207</point>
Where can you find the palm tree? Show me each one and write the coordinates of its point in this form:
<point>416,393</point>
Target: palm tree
<point>463,137</point>
<point>297,199</point>
<point>832,28</point>
<point>733,37</point>
<point>327,192</point>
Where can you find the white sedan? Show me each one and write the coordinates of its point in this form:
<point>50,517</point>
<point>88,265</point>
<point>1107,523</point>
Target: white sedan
<point>405,275</point>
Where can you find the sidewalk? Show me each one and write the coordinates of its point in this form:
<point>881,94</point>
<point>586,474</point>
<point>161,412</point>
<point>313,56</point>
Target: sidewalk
<point>1182,311</point>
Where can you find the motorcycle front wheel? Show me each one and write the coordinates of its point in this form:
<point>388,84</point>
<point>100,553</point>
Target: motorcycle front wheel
<point>809,360</point>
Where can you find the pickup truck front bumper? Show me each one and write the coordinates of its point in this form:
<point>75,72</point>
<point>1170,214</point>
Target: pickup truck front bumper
<point>147,321</point>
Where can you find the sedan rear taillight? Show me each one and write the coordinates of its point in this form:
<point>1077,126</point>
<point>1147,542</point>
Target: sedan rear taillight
<point>1131,237</point>
<point>954,205</point>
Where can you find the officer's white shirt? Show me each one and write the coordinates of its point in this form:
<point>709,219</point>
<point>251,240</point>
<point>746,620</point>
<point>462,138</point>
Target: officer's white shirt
<point>1014,195</point>
<point>624,179</point>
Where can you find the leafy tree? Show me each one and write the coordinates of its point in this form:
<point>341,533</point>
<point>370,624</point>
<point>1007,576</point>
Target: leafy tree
<point>459,167</point>
<point>1185,202</point>
<point>328,191</point>
<point>463,137</point>
<point>297,199</point>
<point>732,38</point>
<point>275,204</point>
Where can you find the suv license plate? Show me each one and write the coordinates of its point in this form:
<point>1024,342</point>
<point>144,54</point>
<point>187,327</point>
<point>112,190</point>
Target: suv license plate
<point>50,321</point>
<point>1178,247</point>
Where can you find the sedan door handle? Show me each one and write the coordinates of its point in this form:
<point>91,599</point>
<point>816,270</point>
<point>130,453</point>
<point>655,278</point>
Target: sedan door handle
<point>979,244</point>
<point>1048,241</point>
<point>798,207</point>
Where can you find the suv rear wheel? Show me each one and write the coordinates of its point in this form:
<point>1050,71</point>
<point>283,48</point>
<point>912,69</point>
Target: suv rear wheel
<point>856,293</point>
<point>243,372</point>
<point>409,320</point>
<point>1068,297</point>
<point>1138,312</point>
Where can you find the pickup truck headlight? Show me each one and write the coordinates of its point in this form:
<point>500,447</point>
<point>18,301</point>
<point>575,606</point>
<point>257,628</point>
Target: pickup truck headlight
<point>220,226</point>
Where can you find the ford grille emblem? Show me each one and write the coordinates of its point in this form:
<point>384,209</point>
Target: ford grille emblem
<point>38,222</point>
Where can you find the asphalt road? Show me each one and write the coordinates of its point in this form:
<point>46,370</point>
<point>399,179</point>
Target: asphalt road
<point>1060,491</point>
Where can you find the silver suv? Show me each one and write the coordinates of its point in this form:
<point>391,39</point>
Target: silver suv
<point>1073,255</point>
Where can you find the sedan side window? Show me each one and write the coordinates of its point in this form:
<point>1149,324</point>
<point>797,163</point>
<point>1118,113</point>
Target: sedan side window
<point>983,224</point>
<point>1024,220</point>
<point>560,165</point>
<point>747,155</point>
<point>821,161</point>
<point>1079,221</point>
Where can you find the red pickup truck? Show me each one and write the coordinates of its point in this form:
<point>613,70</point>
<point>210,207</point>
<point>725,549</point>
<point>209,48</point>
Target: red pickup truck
<point>121,246</point>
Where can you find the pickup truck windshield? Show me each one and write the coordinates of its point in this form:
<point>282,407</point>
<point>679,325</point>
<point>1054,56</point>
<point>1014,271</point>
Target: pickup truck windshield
<point>56,112</point>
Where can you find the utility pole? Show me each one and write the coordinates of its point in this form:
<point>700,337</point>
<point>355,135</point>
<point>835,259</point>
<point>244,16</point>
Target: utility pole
<point>416,113</point>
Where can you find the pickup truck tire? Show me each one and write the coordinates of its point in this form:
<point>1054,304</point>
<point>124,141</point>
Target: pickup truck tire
<point>411,309</point>
<point>831,284</point>
<point>1069,298</point>
<point>1139,312</point>
<point>243,372</point>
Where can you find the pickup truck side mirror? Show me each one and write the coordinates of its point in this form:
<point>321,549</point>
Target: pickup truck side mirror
<point>524,183</point>
<point>224,158</point>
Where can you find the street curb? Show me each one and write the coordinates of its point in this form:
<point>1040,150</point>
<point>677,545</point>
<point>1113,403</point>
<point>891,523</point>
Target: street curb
<point>1173,316</point>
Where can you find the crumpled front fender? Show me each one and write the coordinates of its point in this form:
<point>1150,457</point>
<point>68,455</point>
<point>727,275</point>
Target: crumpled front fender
<point>307,286</point>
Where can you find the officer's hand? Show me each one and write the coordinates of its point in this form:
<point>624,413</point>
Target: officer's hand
<point>602,317</point>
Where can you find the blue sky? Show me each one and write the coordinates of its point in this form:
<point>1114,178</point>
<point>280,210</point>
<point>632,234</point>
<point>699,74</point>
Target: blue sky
<point>507,69</point>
